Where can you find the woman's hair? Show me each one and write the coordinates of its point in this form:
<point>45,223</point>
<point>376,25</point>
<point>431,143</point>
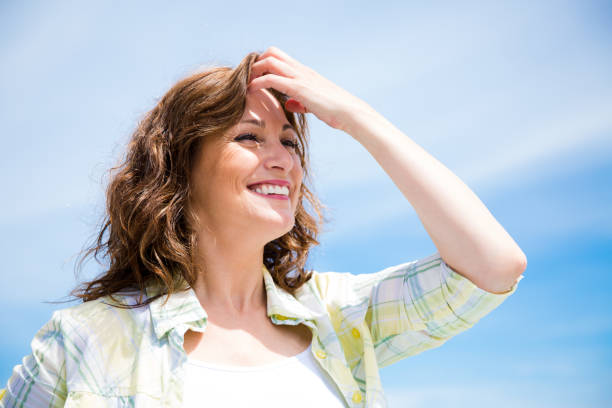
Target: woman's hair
<point>148,232</point>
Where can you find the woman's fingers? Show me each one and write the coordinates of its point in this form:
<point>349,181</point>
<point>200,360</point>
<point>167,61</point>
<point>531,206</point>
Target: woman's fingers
<point>271,65</point>
<point>293,105</point>
<point>272,71</point>
<point>307,90</point>
<point>275,69</point>
<point>279,54</point>
<point>277,82</point>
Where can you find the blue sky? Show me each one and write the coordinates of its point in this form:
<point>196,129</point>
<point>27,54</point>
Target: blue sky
<point>514,97</point>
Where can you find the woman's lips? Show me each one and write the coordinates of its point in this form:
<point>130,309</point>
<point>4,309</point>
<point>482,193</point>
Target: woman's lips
<point>273,196</point>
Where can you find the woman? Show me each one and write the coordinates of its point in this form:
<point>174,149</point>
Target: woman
<point>206,300</point>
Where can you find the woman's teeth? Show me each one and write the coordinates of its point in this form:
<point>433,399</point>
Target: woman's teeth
<point>271,189</point>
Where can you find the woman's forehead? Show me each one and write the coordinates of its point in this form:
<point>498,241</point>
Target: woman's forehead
<point>263,102</point>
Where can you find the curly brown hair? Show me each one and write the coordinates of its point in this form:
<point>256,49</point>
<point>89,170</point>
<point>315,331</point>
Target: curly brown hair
<point>147,231</point>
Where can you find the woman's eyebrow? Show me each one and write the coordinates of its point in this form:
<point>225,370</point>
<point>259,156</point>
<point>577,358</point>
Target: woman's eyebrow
<point>262,123</point>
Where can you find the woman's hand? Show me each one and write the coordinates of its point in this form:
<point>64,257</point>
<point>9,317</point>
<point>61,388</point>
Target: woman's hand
<point>307,90</point>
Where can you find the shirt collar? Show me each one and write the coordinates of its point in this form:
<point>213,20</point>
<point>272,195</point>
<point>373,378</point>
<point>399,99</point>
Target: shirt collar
<point>184,308</point>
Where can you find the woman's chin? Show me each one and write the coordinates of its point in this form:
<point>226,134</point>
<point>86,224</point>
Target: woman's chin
<point>280,225</point>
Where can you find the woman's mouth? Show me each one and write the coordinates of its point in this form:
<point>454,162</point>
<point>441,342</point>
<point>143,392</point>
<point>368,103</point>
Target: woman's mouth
<point>269,195</point>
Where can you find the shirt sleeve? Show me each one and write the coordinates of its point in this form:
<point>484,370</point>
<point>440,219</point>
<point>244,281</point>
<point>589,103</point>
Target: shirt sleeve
<point>40,380</point>
<point>407,308</point>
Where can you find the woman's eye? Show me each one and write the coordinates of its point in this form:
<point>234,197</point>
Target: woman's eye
<point>247,136</point>
<point>250,136</point>
<point>291,143</point>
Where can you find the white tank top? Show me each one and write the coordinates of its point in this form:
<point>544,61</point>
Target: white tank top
<point>296,381</point>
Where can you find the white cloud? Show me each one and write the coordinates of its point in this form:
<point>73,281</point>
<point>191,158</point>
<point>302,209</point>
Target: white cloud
<point>514,161</point>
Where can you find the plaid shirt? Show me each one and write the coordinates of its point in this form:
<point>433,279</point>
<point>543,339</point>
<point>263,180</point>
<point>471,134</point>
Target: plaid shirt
<point>97,355</point>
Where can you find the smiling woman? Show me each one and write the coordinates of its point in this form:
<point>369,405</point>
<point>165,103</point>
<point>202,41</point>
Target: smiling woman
<point>185,155</point>
<point>258,153</point>
<point>205,299</point>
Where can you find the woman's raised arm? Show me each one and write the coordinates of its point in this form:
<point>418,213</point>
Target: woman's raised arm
<point>466,234</point>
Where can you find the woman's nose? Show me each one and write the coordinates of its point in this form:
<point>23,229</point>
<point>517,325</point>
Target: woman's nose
<point>278,155</point>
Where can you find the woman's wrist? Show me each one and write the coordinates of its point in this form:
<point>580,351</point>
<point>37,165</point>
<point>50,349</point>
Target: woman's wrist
<point>362,122</point>
<point>355,118</point>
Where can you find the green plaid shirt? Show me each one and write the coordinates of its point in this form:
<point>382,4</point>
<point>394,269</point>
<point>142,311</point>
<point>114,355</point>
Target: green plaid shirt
<point>97,355</point>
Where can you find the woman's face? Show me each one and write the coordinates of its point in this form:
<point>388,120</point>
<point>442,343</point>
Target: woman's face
<point>229,169</point>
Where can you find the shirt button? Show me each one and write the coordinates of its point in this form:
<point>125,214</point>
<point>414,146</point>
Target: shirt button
<point>321,354</point>
<point>356,396</point>
<point>355,333</point>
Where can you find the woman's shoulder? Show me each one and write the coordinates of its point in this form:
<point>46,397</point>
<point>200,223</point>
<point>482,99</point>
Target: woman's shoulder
<point>92,348</point>
<point>112,313</point>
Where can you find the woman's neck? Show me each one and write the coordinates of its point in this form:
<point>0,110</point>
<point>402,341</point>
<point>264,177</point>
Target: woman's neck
<point>230,276</point>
